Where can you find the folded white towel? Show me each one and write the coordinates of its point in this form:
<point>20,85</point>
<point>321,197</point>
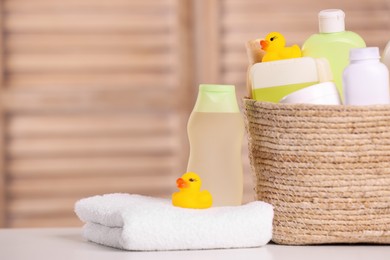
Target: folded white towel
<point>135,222</point>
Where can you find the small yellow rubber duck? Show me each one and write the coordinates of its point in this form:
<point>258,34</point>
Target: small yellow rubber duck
<point>189,194</point>
<point>274,45</point>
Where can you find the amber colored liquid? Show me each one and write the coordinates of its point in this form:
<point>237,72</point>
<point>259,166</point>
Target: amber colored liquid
<point>215,154</point>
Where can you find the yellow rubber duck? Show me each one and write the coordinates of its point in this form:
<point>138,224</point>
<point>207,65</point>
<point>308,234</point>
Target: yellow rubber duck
<point>274,46</point>
<point>189,194</point>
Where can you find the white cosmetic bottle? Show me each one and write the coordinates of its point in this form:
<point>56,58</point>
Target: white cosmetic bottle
<point>366,79</point>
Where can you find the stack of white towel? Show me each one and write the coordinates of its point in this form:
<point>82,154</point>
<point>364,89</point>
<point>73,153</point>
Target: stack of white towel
<point>136,222</point>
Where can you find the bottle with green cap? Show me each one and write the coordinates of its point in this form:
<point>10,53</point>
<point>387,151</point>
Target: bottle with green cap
<point>333,42</point>
<point>215,132</point>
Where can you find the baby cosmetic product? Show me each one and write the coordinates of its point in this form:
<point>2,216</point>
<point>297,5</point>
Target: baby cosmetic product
<point>273,80</point>
<point>366,79</point>
<point>215,132</point>
<point>333,42</point>
<point>320,94</point>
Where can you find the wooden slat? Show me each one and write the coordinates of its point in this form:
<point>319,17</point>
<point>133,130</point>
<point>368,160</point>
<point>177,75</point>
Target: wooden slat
<point>94,146</point>
<point>89,125</point>
<point>263,6</point>
<point>235,59</point>
<point>88,62</point>
<point>62,220</point>
<point>233,76</point>
<point>85,22</point>
<point>95,101</point>
<point>53,6</point>
<point>132,80</point>
<point>72,42</point>
<point>91,166</point>
<point>240,22</point>
<point>29,207</point>
<point>357,20</point>
<point>21,190</point>
<point>3,213</point>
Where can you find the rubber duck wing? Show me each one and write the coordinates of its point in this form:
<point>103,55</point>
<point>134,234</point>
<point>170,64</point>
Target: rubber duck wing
<point>206,198</point>
<point>291,52</point>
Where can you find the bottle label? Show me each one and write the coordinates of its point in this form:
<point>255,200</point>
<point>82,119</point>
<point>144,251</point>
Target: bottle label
<point>275,94</point>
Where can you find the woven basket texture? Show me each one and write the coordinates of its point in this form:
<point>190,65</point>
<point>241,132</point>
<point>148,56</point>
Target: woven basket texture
<point>325,169</point>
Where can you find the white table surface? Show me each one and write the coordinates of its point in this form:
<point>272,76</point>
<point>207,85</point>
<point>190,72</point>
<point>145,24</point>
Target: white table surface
<point>67,243</point>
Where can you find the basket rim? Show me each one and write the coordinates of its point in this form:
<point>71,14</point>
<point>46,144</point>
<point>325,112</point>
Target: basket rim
<point>287,106</point>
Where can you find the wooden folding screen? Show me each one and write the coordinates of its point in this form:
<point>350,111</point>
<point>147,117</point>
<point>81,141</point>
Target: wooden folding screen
<point>96,94</point>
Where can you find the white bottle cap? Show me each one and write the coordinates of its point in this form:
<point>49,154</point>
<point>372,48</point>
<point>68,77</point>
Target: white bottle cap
<point>331,21</point>
<point>368,53</point>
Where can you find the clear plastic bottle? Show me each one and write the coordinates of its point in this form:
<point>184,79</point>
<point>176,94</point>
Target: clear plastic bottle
<point>333,43</point>
<point>215,131</point>
<point>366,79</point>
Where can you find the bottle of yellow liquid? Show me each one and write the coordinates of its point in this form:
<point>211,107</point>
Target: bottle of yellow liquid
<point>215,132</point>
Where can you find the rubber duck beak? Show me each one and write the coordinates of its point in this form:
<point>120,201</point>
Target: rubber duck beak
<point>181,183</point>
<point>264,45</point>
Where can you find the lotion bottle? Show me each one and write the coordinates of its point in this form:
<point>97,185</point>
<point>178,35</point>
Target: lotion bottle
<point>333,42</point>
<point>215,131</point>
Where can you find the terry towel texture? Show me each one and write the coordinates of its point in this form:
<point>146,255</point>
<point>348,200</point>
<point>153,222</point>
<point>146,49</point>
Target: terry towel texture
<point>136,222</point>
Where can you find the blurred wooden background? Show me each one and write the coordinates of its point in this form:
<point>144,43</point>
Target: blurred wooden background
<point>96,93</point>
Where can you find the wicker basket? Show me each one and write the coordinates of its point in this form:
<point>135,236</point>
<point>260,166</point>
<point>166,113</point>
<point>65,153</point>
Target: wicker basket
<point>326,170</point>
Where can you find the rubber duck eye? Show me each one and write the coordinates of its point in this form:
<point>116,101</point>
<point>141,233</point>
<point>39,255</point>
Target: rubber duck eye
<point>273,38</point>
<point>192,180</point>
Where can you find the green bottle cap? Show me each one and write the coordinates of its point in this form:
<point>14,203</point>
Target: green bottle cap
<point>216,99</point>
